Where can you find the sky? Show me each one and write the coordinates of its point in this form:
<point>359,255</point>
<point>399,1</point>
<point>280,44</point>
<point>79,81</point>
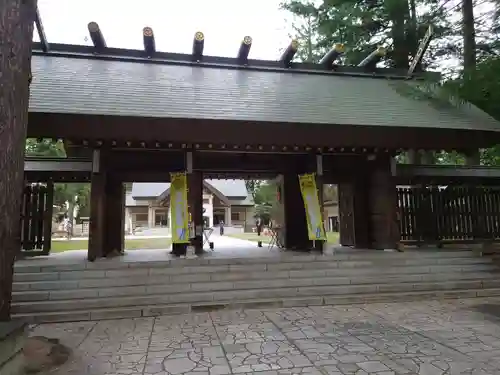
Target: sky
<point>174,22</point>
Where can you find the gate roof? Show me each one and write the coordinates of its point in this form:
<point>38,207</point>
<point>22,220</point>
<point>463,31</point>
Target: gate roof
<point>80,82</point>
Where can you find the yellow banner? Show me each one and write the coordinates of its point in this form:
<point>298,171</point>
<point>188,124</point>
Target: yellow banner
<point>314,218</point>
<point>179,208</point>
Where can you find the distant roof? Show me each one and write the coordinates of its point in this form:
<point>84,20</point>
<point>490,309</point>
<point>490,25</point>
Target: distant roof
<point>230,188</point>
<point>148,189</point>
<point>86,85</point>
<point>234,190</point>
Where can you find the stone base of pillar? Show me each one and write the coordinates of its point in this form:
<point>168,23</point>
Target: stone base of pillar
<point>179,249</point>
<point>197,243</point>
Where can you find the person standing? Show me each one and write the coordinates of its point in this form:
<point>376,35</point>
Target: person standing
<point>221,227</point>
<point>258,225</point>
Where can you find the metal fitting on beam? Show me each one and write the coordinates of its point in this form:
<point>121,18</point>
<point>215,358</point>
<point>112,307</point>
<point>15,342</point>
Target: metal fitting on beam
<point>149,41</point>
<point>290,51</point>
<point>328,60</point>
<point>198,45</point>
<point>244,50</point>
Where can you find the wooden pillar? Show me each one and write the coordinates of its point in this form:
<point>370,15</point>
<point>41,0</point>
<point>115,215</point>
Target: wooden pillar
<point>97,225</point>
<point>472,157</point>
<point>47,221</point>
<point>383,206</point>
<point>414,156</point>
<point>354,212</point>
<point>296,236</point>
<point>320,245</point>
<point>114,237</point>
<point>427,157</point>
<point>195,205</point>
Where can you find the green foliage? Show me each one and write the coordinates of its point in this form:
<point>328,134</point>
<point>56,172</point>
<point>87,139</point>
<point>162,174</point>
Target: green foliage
<point>45,147</point>
<point>364,25</point>
<point>481,87</point>
<point>396,24</point>
<point>265,200</point>
<point>252,186</point>
<point>433,93</point>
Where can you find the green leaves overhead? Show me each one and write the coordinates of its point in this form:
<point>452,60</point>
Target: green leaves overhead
<point>362,25</point>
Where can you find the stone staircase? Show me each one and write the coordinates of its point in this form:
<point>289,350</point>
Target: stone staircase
<point>114,288</point>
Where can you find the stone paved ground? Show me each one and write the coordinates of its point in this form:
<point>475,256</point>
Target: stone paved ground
<point>452,337</point>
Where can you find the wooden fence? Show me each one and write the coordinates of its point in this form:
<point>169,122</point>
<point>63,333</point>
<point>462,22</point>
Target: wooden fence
<point>36,218</point>
<point>449,215</point>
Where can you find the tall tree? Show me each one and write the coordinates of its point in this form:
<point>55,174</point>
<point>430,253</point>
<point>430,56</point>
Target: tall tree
<point>469,35</point>
<point>363,25</point>
<point>17,18</point>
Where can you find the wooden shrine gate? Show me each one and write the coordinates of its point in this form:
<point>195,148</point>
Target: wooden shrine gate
<point>36,219</point>
<point>452,214</point>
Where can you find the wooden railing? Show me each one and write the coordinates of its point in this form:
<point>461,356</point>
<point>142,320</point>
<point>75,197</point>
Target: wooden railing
<point>36,219</point>
<point>450,214</point>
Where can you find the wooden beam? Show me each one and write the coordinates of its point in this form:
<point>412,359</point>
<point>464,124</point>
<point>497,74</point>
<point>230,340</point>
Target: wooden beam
<point>190,131</point>
<point>456,171</point>
<point>41,31</point>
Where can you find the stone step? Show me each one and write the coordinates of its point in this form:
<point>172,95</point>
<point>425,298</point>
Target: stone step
<point>229,294</point>
<point>260,303</point>
<point>84,288</point>
<point>275,262</point>
<point>407,282</point>
<point>155,270</point>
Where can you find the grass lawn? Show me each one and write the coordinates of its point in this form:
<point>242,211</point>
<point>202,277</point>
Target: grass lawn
<point>145,243</point>
<point>333,237</point>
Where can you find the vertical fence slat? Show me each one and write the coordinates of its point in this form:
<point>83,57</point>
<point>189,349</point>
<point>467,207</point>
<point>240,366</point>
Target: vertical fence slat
<point>451,214</point>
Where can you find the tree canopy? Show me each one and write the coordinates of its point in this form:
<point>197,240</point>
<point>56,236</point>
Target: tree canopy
<point>465,47</point>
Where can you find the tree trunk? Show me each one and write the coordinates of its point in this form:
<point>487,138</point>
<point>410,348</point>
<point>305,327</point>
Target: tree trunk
<point>399,13</point>
<point>469,35</point>
<point>71,216</point>
<point>16,33</point>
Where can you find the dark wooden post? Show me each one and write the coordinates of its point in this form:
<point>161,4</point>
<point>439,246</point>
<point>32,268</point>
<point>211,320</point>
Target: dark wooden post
<point>346,213</point>
<point>383,204</point>
<point>472,157</point>
<point>47,222</point>
<point>295,231</point>
<point>97,225</point>
<point>195,204</point>
<point>114,235</point>
<point>296,236</point>
<point>16,29</point>
<point>320,245</point>
<point>414,156</point>
<point>354,212</point>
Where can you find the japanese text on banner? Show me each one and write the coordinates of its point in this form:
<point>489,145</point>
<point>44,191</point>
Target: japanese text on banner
<point>179,208</point>
<point>315,228</point>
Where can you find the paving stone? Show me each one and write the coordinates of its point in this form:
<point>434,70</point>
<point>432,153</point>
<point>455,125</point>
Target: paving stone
<point>248,333</point>
<point>264,356</point>
<point>82,364</point>
<point>231,317</point>
<point>187,337</point>
<point>202,360</point>
<point>450,337</point>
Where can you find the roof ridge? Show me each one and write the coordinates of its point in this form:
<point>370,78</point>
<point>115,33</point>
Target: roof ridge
<point>218,62</point>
